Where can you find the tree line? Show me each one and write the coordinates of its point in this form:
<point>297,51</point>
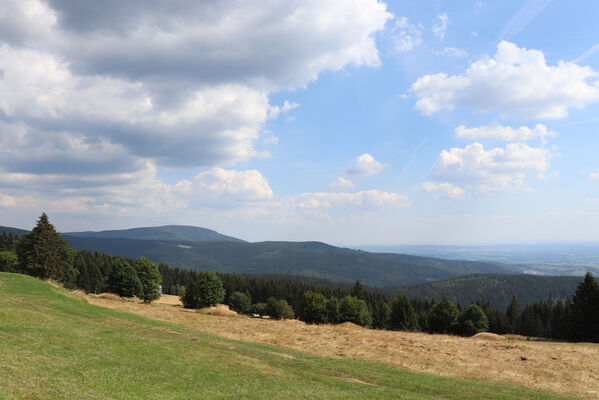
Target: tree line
<point>45,254</point>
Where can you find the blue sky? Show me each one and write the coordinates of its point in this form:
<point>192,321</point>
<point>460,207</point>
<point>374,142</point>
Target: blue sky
<point>351,122</point>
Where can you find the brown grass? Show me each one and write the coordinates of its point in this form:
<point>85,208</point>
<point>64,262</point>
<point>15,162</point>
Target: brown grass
<point>563,368</point>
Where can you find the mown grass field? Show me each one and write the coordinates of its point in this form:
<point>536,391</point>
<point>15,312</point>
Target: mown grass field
<point>54,346</point>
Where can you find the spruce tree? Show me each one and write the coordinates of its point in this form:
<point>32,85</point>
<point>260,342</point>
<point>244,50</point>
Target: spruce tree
<point>443,317</point>
<point>403,316</point>
<point>45,254</point>
<point>358,291</point>
<point>585,310</point>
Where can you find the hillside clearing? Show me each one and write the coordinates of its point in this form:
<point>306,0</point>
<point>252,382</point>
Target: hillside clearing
<point>55,346</point>
<point>566,368</point>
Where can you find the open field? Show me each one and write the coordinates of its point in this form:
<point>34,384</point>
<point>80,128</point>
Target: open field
<point>56,346</point>
<point>565,368</point>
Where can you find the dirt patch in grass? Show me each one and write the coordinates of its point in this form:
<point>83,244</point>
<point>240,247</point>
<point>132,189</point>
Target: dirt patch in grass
<point>564,368</point>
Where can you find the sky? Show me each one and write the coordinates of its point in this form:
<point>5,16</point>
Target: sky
<point>354,122</point>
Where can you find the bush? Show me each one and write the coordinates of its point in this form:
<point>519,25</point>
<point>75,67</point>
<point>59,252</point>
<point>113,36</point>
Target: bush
<point>332,307</point>
<point>354,310</point>
<point>279,309</point>
<point>205,292</point>
<point>8,261</point>
<point>473,321</point>
<point>261,309</point>
<point>240,303</point>
<point>313,308</point>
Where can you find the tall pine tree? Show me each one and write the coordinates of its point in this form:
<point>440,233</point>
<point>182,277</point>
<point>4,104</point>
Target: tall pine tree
<point>45,254</point>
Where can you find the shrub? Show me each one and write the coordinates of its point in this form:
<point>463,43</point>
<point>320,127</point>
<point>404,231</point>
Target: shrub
<point>474,320</point>
<point>313,308</point>
<point>206,291</point>
<point>279,309</point>
<point>354,310</point>
<point>150,279</point>
<point>240,303</point>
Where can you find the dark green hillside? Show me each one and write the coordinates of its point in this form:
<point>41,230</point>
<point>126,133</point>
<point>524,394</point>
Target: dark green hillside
<point>289,258</point>
<point>15,231</point>
<point>168,232</point>
<point>498,289</point>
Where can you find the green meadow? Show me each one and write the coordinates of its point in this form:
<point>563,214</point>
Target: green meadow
<point>56,346</point>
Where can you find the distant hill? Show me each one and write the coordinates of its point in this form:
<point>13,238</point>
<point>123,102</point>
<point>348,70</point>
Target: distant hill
<point>312,259</point>
<point>167,232</point>
<point>498,289</point>
<point>16,231</point>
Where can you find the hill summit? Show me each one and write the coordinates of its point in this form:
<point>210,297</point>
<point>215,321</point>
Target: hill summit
<point>166,232</point>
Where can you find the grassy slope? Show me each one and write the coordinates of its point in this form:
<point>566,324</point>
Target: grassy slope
<point>53,346</point>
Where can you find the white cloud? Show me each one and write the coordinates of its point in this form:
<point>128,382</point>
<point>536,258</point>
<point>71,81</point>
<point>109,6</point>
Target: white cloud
<point>342,184</point>
<point>594,176</point>
<point>275,111</point>
<point>218,187</point>
<point>7,201</point>
<point>94,99</point>
<point>446,189</point>
<point>498,169</point>
<point>441,26</point>
<point>406,35</point>
<point>257,43</point>
<point>516,82</point>
<point>454,52</point>
<point>367,199</point>
<point>365,165</point>
<point>497,131</point>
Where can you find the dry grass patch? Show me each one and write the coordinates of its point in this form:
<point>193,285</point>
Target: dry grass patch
<point>564,368</point>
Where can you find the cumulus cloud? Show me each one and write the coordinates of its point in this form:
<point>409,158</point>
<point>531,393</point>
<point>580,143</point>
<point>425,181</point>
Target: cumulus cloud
<point>217,186</point>
<point>441,26</point>
<point>94,98</point>
<point>342,184</point>
<point>270,45</point>
<point>447,190</point>
<point>497,131</point>
<point>367,199</point>
<point>494,170</point>
<point>594,176</point>
<point>406,35</point>
<point>365,165</point>
<point>515,82</point>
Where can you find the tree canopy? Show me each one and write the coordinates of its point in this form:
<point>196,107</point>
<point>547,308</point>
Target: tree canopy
<point>45,254</point>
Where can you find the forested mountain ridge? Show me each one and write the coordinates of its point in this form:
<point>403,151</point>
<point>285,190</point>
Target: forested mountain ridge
<point>15,231</point>
<point>497,289</point>
<point>167,232</point>
<point>313,259</point>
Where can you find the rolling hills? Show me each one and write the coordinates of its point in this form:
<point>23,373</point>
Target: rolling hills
<point>55,346</point>
<point>313,259</point>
